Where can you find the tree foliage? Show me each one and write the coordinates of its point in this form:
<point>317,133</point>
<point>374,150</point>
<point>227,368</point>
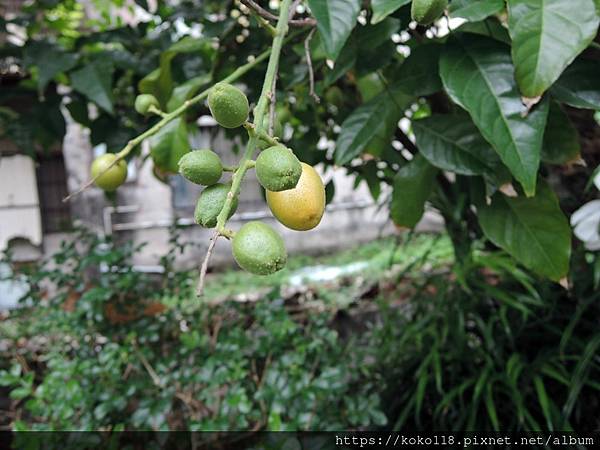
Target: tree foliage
<point>501,90</point>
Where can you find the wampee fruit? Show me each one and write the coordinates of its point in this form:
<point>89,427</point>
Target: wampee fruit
<point>210,203</point>
<point>302,207</point>
<point>228,105</point>
<point>113,177</point>
<point>201,167</point>
<point>259,249</point>
<point>278,169</point>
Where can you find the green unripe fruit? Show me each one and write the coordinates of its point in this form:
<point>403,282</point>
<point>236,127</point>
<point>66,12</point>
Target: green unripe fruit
<point>113,177</point>
<point>425,12</point>
<point>210,203</point>
<point>201,167</point>
<point>228,105</point>
<point>259,249</point>
<point>278,169</point>
<point>143,103</point>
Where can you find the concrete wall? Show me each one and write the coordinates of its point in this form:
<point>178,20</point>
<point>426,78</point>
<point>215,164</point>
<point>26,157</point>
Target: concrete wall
<point>20,222</point>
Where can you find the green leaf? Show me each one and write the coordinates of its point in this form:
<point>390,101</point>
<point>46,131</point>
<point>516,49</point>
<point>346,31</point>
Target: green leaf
<point>475,10</point>
<point>477,73</point>
<point>542,395</point>
<point>344,63</point>
<point>581,374</point>
<point>547,36</point>
<point>169,145</point>
<point>335,21</point>
<point>186,91</point>
<point>49,59</point>
<point>533,230</point>
<point>491,407</point>
<point>453,143</point>
<point>419,74</point>
<point>490,27</point>
<point>159,82</point>
<point>380,113</point>
<point>561,139</point>
<point>95,82</point>
<point>412,186</point>
<point>383,8</point>
<point>579,85</point>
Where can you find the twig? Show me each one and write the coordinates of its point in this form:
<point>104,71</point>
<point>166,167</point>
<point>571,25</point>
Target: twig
<point>240,71</point>
<point>260,135</point>
<point>294,8</point>
<point>311,73</point>
<point>204,268</point>
<point>261,20</point>
<point>155,378</point>
<point>308,22</point>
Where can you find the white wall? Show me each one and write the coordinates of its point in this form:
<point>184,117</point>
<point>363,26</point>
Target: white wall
<point>19,202</point>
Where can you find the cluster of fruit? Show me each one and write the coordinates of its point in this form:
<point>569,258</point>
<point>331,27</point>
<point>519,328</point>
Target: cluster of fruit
<point>294,190</point>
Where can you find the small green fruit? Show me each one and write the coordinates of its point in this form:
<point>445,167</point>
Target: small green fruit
<point>278,169</point>
<point>228,105</point>
<point>210,203</point>
<point>425,12</point>
<point>259,249</point>
<point>143,103</point>
<point>201,167</point>
<point>113,177</point>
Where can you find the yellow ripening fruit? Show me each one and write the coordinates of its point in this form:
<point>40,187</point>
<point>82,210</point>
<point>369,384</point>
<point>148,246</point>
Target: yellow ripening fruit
<point>228,105</point>
<point>278,169</point>
<point>143,103</point>
<point>425,12</point>
<point>201,167</point>
<point>113,177</point>
<point>259,249</point>
<point>302,207</point>
<point>210,203</point>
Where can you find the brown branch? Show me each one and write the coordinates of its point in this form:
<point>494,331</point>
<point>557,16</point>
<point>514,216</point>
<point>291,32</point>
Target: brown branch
<point>293,9</point>
<point>311,73</point>
<point>204,268</point>
<point>307,22</point>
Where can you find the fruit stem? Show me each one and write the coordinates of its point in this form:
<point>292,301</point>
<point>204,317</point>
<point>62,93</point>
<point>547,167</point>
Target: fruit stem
<point>259,114</point>
<point>154,110</point>
<point>229,234</point>
<point>133,143</point>
<point>230,168</point>
<point>260,134</point>
<point>263,22</point>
